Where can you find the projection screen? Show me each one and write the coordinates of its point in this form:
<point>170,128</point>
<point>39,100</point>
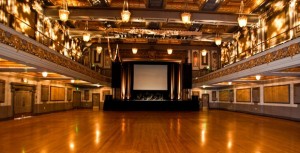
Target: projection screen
<point>150,77</point>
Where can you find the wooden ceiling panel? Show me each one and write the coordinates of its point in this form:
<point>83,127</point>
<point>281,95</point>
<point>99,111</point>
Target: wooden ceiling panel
<point>182,6</point>
<point>233,6</point>
<point>73,3</point>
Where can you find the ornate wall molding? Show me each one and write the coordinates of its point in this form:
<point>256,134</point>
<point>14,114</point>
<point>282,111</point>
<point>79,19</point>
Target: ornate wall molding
<point>21,44</point>
<point>288,51</point>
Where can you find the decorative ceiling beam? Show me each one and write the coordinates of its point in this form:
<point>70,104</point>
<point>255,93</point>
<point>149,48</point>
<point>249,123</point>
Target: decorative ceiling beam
<point>147,15</point>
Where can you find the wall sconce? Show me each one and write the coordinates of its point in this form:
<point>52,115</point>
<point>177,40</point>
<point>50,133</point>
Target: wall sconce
<point>134,50</point>
<point>204,52</point>
<point>63,12</point>
<point>125,14</point>
<point>170,51</point>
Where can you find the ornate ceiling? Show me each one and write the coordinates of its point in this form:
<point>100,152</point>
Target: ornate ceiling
<point>156,20</point>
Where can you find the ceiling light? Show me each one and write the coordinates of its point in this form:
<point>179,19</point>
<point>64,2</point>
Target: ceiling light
<point>242,19</point>
<point>99,49</point>
<point>204,52</point>
<point>170,51</point>
<point>134,50</point>
<point>72,81</point>
<point>125,14</point>
<point>63,12</point>
<point>45,74</point>
<point>229,83</point>
<point>218,40</point>
<point>186,17</point>
<point>258,77</point>
<point>25,80</point>
<point>86,36</point>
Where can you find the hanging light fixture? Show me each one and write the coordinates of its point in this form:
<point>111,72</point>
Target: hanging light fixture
<point>86,36</point>
<point>44,74</point>
<point>99,48</point>
<point>170,51</point>
<point>229,83</point>
<point>218,39</point>
<point>242,19</point>
<point>63,12</point>
<point>204,52</point>
<point>125,14</point>
<point>72,81</point>
<point>134,50</point>
<point>185,16</point>
<point>257,77</point>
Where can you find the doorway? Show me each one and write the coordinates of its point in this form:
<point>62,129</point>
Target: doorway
<point>76,99</point>
<point>205,101</point>
<point>23,97</point>
<point>96,101</point>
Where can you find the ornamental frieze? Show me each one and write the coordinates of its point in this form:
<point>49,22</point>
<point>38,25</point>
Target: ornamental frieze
<point>22,45</point>
<point>289,51</point>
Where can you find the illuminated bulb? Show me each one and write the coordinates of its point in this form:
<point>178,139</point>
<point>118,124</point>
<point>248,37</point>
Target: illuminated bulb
<point>203,86</point>
<point>86,37</point>
<point>63,15</point>
<point>45,74</point>
<point>98,85</point>
<point>230,83</point>
<point>72,81</point>
<point>218,40</point>
<point>99,49</point>
<point>258,77</point>
<point>242,20</point>
<point>125,14</point>
<point>204,52</point>
<point>72,145</point>
<point>25,80</point>
<point>134,50</point>
<point>170,51</point>
<point>186,17</point>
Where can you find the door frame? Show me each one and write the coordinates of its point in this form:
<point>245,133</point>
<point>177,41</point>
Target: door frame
<point>207,99</point>
<point>22,87</point>
<point>93,94</point>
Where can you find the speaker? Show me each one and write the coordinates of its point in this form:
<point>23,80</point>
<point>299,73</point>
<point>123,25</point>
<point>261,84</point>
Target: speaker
<point>116,70</point>
<point>187,76</point>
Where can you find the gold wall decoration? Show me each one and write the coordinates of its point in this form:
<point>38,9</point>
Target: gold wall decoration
<point>277,94</point>
<point>243,95</point>
<point>224,95</point>
<point>44,93</point>
<point>2,91</point>
<point>57,93</point>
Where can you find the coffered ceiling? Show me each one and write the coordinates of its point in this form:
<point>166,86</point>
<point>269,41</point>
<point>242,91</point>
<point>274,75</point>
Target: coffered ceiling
<point>154,20</point>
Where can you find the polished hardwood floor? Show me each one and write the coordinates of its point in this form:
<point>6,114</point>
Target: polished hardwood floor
<point>86,131</point>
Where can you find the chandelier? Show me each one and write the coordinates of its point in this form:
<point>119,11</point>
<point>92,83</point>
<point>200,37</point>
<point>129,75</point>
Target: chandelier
<point>63,12</point>
<point>242,19</point>
<point>218,39</point>
<point>186,17</point>
<point>170,51</point>
<point>86,36</point>
<point>257,77</point>
<point>125,14</point>
<point>44,74</point>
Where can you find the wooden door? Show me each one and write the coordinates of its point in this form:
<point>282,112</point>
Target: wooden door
<point>76,99</point>
<point>96,100</point>
<point>22,103</point>
<point>205,100</point>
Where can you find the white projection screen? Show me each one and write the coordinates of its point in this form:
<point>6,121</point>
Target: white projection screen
<point>150,77</point>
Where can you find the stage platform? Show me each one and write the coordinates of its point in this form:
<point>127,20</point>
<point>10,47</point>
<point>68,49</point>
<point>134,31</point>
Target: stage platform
<point>164,105</point>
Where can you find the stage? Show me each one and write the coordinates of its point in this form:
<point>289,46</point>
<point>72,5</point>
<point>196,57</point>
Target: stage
<point>163,105</point>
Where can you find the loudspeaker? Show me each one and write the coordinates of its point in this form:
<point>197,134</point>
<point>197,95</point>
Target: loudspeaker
<point>116,69</point>
<point>187,76</point>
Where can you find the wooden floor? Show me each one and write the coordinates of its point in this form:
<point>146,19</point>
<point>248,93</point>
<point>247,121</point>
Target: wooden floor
<point>85,131</point>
